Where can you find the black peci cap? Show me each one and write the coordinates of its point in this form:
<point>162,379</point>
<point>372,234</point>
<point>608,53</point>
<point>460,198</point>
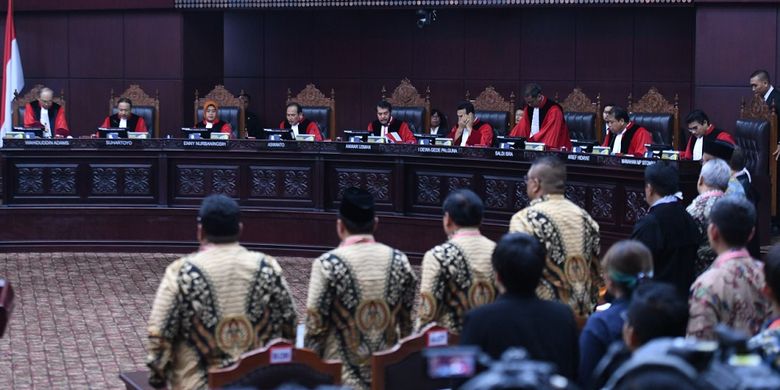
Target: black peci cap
<point>357,205</point>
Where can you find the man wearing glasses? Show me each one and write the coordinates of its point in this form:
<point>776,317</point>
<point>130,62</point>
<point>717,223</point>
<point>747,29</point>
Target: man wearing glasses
<point>701,129</point>
<point>46,114</point>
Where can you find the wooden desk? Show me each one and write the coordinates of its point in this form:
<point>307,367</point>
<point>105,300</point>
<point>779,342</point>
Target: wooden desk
<point>142,195</point>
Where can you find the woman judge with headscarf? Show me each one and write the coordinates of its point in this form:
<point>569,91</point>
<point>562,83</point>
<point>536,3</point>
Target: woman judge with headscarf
<point>211,119</point>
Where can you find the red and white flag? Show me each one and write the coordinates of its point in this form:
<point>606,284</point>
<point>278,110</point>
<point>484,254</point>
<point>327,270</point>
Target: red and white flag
<point>13,77</point>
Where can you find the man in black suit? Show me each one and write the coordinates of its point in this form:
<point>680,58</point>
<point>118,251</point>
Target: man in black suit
<point>762,85</point>
<point>668,230</point>
<point>546,329</point>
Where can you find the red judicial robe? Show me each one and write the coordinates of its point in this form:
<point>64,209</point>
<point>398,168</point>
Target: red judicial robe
<point>711,134</point>
<point>394,126</point>
<point>633,142</point>
<point>552,128</point>
<point>481,134</point>
<point>32,118</point>
<point>134,123</point>
<point>220,126</point>
<point>310,126</point>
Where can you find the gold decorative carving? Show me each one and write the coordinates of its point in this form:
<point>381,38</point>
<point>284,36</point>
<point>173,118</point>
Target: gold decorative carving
<point>653,102</point>
<point>577,101</point>
<point>311,96</point>
<point>406,95</point>
<point>491,100</point>
<point>757,109</point>
<point>137,96</point>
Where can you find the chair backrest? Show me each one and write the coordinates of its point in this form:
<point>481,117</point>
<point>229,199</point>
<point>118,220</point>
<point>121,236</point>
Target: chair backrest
<point>403,366</point>
<point>277,363</point>
<point>756,133</point>
<point>318,108</point>
<point>20,101</point>
<point>583,116</point>
<point>658,116</point>
<point>230,109</point>
<point>6,304</point>
<point>491,107</point>
<point>144,106</point>
<point>410,106</point>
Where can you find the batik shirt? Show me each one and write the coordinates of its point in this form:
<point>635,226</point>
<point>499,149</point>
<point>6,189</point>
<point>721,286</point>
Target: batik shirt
<point>572,273</point>
<point>456,277</point>
<point>768,343</point>
<point>360,301</point>
<point>729,293</point>
<point>211,307</point>
<point>699,209</point>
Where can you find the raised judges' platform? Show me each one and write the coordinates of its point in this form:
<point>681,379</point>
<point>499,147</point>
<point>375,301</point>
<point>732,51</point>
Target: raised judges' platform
<point>142,195</point>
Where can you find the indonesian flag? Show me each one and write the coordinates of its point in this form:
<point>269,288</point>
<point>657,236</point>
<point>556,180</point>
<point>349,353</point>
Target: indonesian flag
<point>13,77</point>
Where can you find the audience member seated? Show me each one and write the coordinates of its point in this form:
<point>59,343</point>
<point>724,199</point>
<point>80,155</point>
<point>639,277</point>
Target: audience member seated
<point>47,114</point>
<point>713,180</point>
<point>624,136</point>
<point>605,114</point>
<point>215,304</point>
<point>438,124</point>
<point>542,120</point>
<point>568,232</point>
<point>361,294</point>
<point>700,128</point>
<point>668,230</point>
<point>626,264</point>
<point>740,173</point>
<point>385,125</point>
<point>730,292</point>
<point>768,340</point>
<point>298,123</point>
<point>211,119</point>
<point>251,120</point>
<point>470,130</point>
<point>547,330</point>
<point>124,118</point>
<point>656,311</point>
<point>519,114</point>
<point>457,275</point>
<point>722,150</point>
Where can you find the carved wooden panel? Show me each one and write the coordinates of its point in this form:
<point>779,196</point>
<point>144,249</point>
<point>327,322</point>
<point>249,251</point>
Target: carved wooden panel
<point>406,95</point>
<point>428,189</point>
<point>491,100</point>
<point>653,102</point>
<point>297,183</point>
<point>636,206</point>
<point>602,200</point>
<point>577,101</point>
<point>497,193</point>
<point>521,195</point>
<point>104,181</point>
<point>191,181</point>
<point>312,96</point>
<point>138,180</point>
<point>577,194</point>
<point>120,179</point>
<point>29,180</point>
<point>458,182</point>
<point>45,179</point>
<point>263,182</point>
<point>375,181</point>
<point>63,180</point>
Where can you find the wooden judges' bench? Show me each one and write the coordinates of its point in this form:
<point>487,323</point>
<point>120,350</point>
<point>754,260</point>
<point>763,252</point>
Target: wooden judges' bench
<point>142,195</point>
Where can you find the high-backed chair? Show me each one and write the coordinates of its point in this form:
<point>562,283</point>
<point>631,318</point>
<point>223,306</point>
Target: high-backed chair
<point>144,106</point>
<point>318,108</point>
<point>583,116</point>
<point>403,366</point>
<point>410,106</point>
<point>230,109</point>
<point>492,108</point>
<point>658,116</point>
<point>275,364</point>
<point>20,102</point>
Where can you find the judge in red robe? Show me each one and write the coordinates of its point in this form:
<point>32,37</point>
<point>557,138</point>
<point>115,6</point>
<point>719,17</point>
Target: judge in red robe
<point>386,126</point>
<point>625,137</point>
<point>701,130</point>
<point>470,131</point>
<point>47,114</point>
<point>298,124</point>
<point>211,119</point>
<point>124,118</point>
<point>542,120</point>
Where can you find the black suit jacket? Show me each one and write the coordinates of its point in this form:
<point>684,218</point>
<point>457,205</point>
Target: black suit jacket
<point>546,329</point>
<point>672,236</point>
<point>774,98</point>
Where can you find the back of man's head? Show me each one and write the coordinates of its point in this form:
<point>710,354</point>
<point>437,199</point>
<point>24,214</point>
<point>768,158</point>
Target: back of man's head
<point>464,207</point>
<point>772,272</point>
<point>734,217</point>
<point>657,310</point>
<point>519,260</point>
<point>662,177</point>
<point>551,172</point>
<point>357,211</point>
<point>737,161</point>
<point>715,174</point>
<point>219,219</point>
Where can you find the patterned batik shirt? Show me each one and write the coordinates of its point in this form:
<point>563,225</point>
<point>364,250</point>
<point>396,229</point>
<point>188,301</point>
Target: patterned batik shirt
<point>211,307</point>
<point>572,273</point>
<point>360,301</point>
<point>457,276</point>
<point>699,209</point>
<point>768,343</point>
<point>729,293</point>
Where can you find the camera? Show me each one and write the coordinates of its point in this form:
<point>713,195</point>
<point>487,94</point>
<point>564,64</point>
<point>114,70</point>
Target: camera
<point>425,17</point>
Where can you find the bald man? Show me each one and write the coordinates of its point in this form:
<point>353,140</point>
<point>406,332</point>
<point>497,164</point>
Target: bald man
<point>47,114</point>
<point>571,274</point>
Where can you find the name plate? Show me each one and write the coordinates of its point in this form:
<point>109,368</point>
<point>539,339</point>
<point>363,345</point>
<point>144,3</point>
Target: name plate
<point>579,157</point>
<point>47,143</point>
<point>535,146</point>
<point>359,147</point>
<point>507,154</point>
<point>635,162</point>
<point>448,150</point>
<point>119,143</point>
<point>204,144</point>
<point>601,150</point>
<point>278,145</point>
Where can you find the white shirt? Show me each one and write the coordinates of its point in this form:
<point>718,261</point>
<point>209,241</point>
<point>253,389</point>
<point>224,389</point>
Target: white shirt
<point>123,123</point>
<point>294,129</point>
<point>464,137</point>
<point>434,130</point>
<point>698,148</point>
<point>535,122</point>
<point>768,92</point>
<point>209,125</point>
<point>618,142</point>
<point>383,133</point>
<point>45,122</point>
